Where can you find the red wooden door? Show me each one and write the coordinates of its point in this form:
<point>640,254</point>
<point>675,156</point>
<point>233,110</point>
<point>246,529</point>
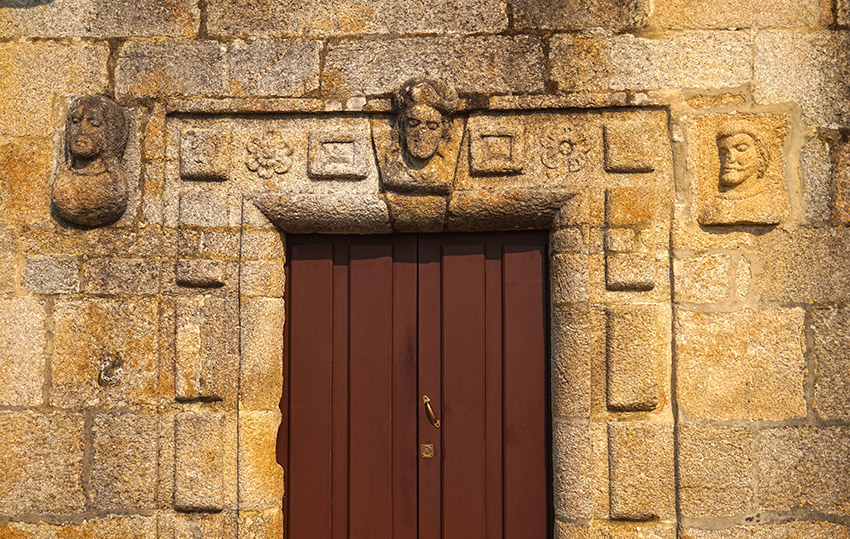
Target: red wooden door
<point>375,326</point>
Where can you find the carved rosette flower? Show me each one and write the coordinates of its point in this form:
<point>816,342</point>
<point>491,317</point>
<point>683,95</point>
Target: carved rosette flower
<point>564,149</point>
<point>268,155</point>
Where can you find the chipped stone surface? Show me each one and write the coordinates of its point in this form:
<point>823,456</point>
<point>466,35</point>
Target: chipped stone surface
<point>741,365</point>
<point>106,352</point>
<point>22,351</point>
<point>641,468</point>
<point>36,72</point>
<point>714,470</point>
<point>805,467</point>
<point>492,64</point>
<point>345,17</point>
<point>702,278</point>
<point>684,14</point>
<point>186,68</point>
<point>789,530</point>
<point>124,461</point>
<point>831,350</point>
<point>43,463</point>
<point>260,476</point>
<point>565,15</point>
<point>99,18</point>
<point>24,179</point>
<point>51,275</point>
<point>809,69</point>
<point>626,62</point>
<point>261,371</point>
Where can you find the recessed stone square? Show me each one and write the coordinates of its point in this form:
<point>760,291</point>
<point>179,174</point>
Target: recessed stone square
<point>338,155</point>
<point>629,146</point>
<point>495,147</point>
<point>204,154</point>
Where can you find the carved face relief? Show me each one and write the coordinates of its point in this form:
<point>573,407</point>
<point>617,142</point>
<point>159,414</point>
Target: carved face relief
<point>423,131</point>
<point>86,131</point>
<point>740,159</point>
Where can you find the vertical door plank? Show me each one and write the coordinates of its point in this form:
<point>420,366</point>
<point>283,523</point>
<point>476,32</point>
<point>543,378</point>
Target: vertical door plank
<point>339,473</point>
<point>309,388</point>
<point>405,408</point>
<point>370,391</point>
<point>430,383</point>
<point>493,389</point>
<point>463,402</point>
<point>525,390</point>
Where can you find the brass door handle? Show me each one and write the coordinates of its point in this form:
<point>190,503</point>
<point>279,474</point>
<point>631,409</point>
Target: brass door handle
<point>426,400</point>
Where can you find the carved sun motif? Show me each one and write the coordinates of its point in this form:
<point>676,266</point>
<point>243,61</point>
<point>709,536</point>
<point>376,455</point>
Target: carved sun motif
<point>564,149</point>
<point>268,155</point>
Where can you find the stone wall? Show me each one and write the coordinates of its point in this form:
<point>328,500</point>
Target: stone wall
<point>700,347</point>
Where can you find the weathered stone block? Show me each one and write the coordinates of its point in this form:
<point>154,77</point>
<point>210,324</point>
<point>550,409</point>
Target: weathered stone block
<point>625,62</point>
<point>570,279</point>
<point>714,470</point>
<point>171,68</point>
<point>268,523</point>
<point>702,278</point>
<point>641,470</point>
<point>25,167</point>
<point>373,67</point>
<point>121,276</point>
<point>636,348</point>
<point>630,271</point>
<point>99,18</point>
<point>273,67</point>
<point>42,463</point>
<point>831,350</point>
<point>565,15</point>
<point>741,365</point>
<point>209,209</point>
<point>125,527</point>
<point>345,17</point>
<point>105,352</point>
<point>207,525</point>
<point>842,15</point>
<point>262,278</point>
<point>8,261</point>
<point>629,206</point>
<point>684,14</point>
<point>203,273</point>
<point>577,337</point>
<point>204,154</point>
<point>804,265</point>
<point>199,477</point>
<point>788,530</point>
<point>207,348</point>
<point>573,460</point>
<point>739,163</point>
<point>34,72</point>
<point>124,461</point>
<point>23,338</point>
<point>416,213</point>
<point>260,476</point>
<point>207,243</point>
<point>51,275</point>
<point>809,69</point>
<point>840,182</point>
<point>805,467</point>
<point>262,353</point>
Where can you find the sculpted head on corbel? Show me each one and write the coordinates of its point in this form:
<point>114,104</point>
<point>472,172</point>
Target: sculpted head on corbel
<point>743,157</point>
<point>91,188</point>
<point>425,109</point>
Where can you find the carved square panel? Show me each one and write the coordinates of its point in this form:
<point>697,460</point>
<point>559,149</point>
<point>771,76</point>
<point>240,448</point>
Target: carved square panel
<point>205,155</point>
<point>629,271</point>
<point>495,148</point>
<point>338,155</point>
<point>631,145</point>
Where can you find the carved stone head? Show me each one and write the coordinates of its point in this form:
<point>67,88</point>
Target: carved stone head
<point>743,155</point>
<point>425,108</point>
<point>91,190</point>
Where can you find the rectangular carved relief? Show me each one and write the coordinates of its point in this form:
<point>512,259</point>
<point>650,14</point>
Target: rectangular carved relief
<point>207,348</point>
<point>199,461</point>
<point>635,355</point>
